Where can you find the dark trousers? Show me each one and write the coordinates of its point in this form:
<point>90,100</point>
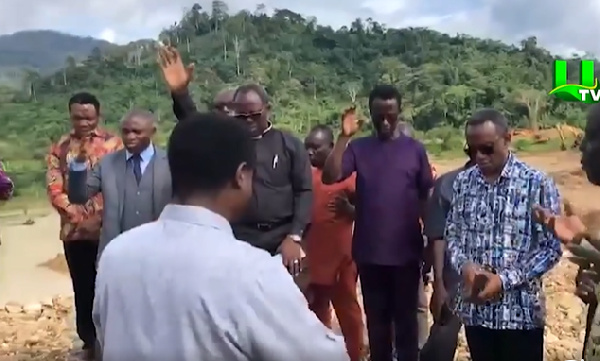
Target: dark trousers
<point>589,319</point>
<point>486,344</point>
<point>81,259</point>
<point>443,341</point>
<point>390,300</point>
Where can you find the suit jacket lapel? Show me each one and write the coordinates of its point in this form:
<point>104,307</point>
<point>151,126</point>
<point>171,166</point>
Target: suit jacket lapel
<point>121,176</point>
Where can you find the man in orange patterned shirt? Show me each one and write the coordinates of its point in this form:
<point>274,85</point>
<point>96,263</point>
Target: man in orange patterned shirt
<point>80,224</point>
<point>332,271</point>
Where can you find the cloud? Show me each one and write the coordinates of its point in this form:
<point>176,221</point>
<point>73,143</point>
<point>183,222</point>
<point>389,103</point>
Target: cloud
<point>558,25</point>
<point>108,35</point>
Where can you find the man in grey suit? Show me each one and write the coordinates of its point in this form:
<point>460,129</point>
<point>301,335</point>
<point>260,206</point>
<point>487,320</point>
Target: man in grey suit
<point>135,182</point>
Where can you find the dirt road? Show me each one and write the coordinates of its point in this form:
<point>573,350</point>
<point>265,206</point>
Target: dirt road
<point>41,330</point>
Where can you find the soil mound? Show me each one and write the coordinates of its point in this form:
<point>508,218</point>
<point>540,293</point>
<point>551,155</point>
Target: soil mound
<point>57,264</point>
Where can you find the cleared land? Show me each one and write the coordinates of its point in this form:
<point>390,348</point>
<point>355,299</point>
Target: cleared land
<point>34,326</point>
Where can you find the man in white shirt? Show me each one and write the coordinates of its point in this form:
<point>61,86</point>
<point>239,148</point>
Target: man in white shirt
<point>183,288</point>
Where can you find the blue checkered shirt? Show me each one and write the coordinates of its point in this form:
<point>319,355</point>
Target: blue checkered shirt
<point>491,224</point>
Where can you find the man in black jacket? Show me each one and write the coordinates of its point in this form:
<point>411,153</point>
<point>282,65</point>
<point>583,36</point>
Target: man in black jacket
<point>282,197</point>
<point>443,335</point>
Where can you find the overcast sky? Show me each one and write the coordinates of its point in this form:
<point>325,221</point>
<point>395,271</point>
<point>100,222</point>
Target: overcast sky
<point>562,26</point>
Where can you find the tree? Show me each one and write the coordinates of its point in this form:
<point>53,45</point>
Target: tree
<point>312,72</point>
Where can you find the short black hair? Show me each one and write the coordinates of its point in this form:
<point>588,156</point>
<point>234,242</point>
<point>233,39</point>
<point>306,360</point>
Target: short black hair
<point>385,92</point>
<point>323,128</point>
<point>205,152</point>
<point>85,98</point>
<point>253,88</point>
<point>489,115</point>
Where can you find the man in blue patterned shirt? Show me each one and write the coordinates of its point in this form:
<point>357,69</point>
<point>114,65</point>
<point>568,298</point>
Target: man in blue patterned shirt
<point>499,251</point>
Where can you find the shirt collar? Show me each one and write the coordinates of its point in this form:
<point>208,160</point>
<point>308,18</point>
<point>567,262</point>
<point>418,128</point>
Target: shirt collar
<point>196,215</point>
<point>269,127</point>
<point>97,132</point>
<point>146,154</point>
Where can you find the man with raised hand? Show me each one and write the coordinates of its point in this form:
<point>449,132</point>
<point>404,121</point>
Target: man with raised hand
<point>184,288</point>
<point>280,208</point>
<point>569,229</point>
<point>393,181</point>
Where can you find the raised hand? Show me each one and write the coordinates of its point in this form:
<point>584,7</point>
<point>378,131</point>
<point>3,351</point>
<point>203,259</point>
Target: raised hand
<point>176,75</point>
<point>568,227</point>
<point>351,124</point>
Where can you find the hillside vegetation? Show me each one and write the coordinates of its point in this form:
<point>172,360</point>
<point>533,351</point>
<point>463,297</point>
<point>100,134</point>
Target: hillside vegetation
<point>311,71</point>
<point>26,54</point>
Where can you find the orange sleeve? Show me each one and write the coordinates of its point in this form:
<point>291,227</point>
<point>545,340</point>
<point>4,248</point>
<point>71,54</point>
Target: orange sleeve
<point>117,145</point>
<point>55,180</point>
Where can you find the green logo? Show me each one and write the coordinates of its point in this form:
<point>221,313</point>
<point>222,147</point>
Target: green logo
<point>586,92</point>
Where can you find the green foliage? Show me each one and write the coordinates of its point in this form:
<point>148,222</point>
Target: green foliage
<point>311,71</point>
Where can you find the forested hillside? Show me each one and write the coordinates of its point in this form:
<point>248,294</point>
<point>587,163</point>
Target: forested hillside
<point>312,72</point>
<point>26,54</point>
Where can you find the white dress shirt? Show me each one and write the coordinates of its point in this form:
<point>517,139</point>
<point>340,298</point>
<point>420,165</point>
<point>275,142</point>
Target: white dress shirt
<point>146,156</point>
<point>184,289</point>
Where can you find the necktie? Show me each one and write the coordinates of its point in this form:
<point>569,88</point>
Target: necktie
<point>136,159</point>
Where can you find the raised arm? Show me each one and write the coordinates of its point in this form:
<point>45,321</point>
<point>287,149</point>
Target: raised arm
<point>341,162</point>
<point>177,77</point>
<point>183,104</point>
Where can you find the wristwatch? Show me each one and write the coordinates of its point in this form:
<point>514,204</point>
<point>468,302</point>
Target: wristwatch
<point>295,237</point>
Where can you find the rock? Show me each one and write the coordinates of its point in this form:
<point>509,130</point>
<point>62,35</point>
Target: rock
<point>33,308</point>
<point>47,303</point>
<point>44,330</point>
<point>13,307</point>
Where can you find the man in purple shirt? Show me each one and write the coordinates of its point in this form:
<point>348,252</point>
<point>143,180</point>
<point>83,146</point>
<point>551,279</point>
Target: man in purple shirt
<point>393,179</point>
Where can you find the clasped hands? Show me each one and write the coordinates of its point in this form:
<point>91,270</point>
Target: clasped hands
<point>480,284</point>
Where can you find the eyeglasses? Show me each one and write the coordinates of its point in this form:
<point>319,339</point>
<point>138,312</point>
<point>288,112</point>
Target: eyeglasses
<point>253,116</point>
<point>487,149</point>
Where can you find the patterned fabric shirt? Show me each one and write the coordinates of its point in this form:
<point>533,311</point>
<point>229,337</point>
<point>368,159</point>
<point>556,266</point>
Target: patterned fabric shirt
<point>6,185</point>
<point>58,159</point>
<point>490,224</point>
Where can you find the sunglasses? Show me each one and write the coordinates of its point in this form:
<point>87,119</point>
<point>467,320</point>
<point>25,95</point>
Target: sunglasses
<point>253,116</point>
<point>483,149</point>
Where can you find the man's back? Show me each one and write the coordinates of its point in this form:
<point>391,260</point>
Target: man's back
<point>183,288</point>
